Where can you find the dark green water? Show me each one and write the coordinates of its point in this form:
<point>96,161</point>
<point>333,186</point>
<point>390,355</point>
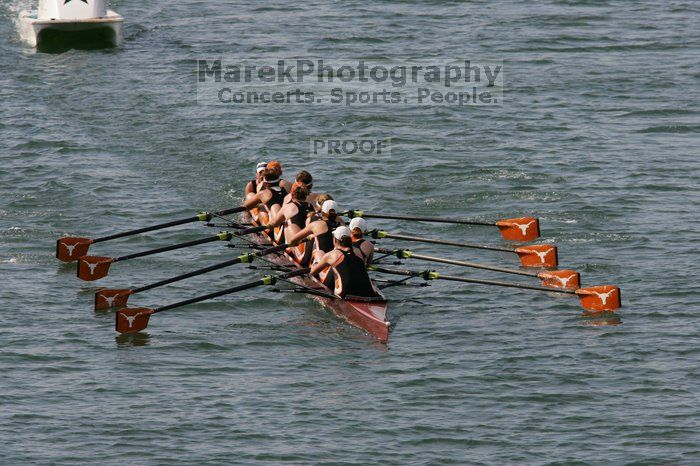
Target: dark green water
<point>598,137</point>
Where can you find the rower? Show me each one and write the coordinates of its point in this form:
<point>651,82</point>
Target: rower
<point>358,226</point>
<point>293,216</point>
<point>350,277</point>
<point>254,185</point>
<point>270,196</point>
<point>320,199</point>
<point>276,167</point>
<point>305,178</point>
<point>320,230</point>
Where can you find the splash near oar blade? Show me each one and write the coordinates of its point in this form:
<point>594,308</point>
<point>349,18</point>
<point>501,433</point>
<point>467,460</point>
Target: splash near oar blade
<point>519,229</point>
<point>72,248</point>
<point>107,298</point>
<point>91,268</point>
<point>597,299</point>
<point>538,255</point>
<point>567,279</point>
<point>133,319</point>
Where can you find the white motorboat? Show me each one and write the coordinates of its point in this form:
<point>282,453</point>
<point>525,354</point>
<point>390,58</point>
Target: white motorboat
<point>85,23</point>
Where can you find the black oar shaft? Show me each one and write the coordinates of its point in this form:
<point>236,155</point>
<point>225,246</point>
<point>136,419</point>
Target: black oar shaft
<point>506,284</point>
<point>211,268</point>
<point>204,216</point>
<point>441,241</point>
<point>251,230</point>
<point>168,248</point>
<point>246,286</point>
<point>432,276</point>
<point>402,254</point>
<point>353,213</point>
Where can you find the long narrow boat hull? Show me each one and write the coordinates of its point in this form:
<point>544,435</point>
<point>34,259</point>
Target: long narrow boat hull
<point>367,315</point>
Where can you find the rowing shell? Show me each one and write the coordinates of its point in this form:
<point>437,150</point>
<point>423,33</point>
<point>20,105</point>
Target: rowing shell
<point>368,314</point>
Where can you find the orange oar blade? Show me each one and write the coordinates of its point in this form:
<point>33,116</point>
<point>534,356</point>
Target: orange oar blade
<point>596,299</point>
<point>104,299</point>
<point>70,248</point>
<point>569,279</point>
<point>93,267</point>
<point>538,255</point>
<point>519,229</point>
<point>132,319</point>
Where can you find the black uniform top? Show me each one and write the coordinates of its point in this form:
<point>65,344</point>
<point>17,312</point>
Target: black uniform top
<point>351,277</point>
<point>324,242</point>
<point>303,209</point>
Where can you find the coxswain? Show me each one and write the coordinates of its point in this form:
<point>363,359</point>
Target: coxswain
<point>350,277</point>
<point>358,227</point>
<point>269,197</point>
<point>254,185</point>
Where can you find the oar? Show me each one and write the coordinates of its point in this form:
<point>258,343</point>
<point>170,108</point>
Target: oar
<point>536,255</point>
<point>594,299</point>
<point>135,319</point>
<point>559,278</point>
<point>107,298</point>
<point>72,248</point>
<point>95,267</point>
<point>512,229</point>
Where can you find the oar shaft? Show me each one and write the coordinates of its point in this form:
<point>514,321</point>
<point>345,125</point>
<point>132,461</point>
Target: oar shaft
<point>354,213</point>
<point>168,248</point>
<point>246,286</point>
<point>438,276</point>
<point>506,284</point>
<point>204,216</point>
<point>442,241</point>
<point>410,254</point>
<point>211,268</point>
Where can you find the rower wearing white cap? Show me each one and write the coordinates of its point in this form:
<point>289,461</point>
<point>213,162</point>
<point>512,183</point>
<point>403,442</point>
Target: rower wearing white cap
<point>320,230</point>
<point>254,185</point>
<point>347,268</point>
<point>358,226</point>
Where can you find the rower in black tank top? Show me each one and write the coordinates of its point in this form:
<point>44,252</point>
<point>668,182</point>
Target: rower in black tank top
<point>351,278</point>
<point>358,245</point>
<point>324,242</point>
<point>278,195</point>
<point>303,211</point>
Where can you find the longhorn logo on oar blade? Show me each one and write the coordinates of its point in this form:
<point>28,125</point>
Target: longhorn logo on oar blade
<point>538,255</point>
<point>131,320</point>
<point>104,299</point>
<point>596,299</point>
<point>519,229</point>
<point>93,267</point>
<point>524,227</point>
<point>569,279</point>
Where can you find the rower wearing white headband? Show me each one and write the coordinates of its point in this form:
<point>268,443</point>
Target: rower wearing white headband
<point>254,185</point>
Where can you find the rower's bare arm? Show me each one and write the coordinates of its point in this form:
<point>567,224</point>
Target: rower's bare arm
<point>325,261</point>
<point>249,188</point>
<point>301,234</point>
<point>278,219</point>
<point>252,201</point>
